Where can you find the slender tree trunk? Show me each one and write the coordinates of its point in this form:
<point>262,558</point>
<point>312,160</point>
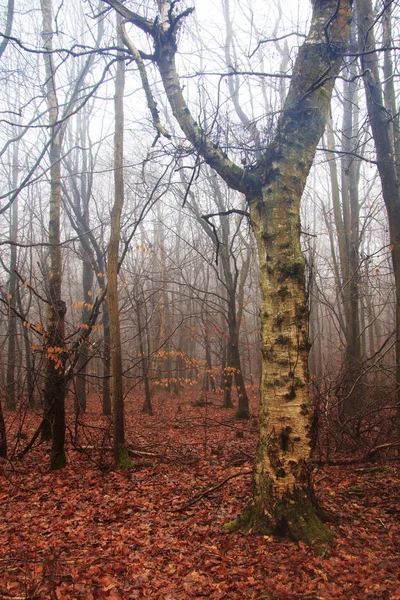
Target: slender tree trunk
<point>106,397</point>
<point>8,28</point>
<point>3,434</point>
<point>81,365</point>
<point>209,380</point>
<point>346,214</point>
<point>121,457</point>
<point>234,364</point>
<point>54,390</point>
<point>13,298</point>
<point>381,125</point>
<point>226,377</point>
<point>147,406</point>
<point>29,360</point>
<point>353,393</point>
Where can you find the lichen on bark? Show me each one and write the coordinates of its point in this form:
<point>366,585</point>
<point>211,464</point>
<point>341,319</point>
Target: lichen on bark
<point>283,502</point>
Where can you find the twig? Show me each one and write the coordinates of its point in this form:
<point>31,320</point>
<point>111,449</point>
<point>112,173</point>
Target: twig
<point>210,490</point>
<point>382,447</point>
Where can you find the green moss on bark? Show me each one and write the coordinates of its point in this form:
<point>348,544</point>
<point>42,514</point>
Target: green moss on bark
<point>295,517</point>
<point>123,462</point>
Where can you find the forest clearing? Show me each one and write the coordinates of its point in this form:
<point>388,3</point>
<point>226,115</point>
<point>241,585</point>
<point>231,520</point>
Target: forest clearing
<point>156,531</point>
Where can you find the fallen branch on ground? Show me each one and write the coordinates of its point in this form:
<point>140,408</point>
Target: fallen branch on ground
<point>209,491</point>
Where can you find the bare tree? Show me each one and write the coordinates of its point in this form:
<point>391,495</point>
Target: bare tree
<point>385,130</point>
<point>283,500</point>
<point>121,457</point>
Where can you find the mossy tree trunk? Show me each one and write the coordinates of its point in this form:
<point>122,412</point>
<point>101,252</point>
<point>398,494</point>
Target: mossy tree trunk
<point>283,501</point>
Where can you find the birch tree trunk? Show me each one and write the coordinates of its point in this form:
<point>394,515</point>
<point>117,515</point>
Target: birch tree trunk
<point>283,500</point>
<point>283,497</point>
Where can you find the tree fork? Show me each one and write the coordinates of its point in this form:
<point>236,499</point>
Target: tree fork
<point>283,500</point>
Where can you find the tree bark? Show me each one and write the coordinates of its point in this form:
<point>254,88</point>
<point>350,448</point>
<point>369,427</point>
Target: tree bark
<point>386,155</point>
<point>283,500</point>
<point>3,435</point>
<point>12,294</point>
<point>144,353</point>
<point>121,457</point>
<point>81,365</point>
<point>54,390</point>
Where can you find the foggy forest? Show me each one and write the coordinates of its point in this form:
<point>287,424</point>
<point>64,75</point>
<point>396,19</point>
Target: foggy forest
<point>199,299</point>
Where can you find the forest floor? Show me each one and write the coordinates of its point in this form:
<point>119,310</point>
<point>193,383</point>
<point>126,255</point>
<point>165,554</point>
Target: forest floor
<point>92,533</point>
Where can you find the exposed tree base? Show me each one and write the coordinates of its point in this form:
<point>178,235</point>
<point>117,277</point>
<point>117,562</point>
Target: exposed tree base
<point>147,410</point>
<point>58,461</point>
<point>227,404</point>
<point>242,413</point>
<point>295,517</point>
<point>123,461</point>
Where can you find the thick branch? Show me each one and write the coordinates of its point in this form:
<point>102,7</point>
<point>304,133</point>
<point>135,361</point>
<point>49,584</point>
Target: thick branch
<point>143,24</point>
<point>151,103</point>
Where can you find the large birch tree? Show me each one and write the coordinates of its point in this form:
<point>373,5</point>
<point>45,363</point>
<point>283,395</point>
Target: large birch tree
<point>283,501</point>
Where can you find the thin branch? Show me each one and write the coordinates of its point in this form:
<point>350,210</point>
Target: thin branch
<point>210,491</point>
<point>151,103</point>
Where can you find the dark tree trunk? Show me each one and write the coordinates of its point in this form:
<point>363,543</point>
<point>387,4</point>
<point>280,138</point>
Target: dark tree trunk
<point>54,390</point>
<point>106,397</point>
<point>147,406</point>
<point>387,147</point>
<point>121,457</point>
<point>3,435</point>
<point>81,365</point>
